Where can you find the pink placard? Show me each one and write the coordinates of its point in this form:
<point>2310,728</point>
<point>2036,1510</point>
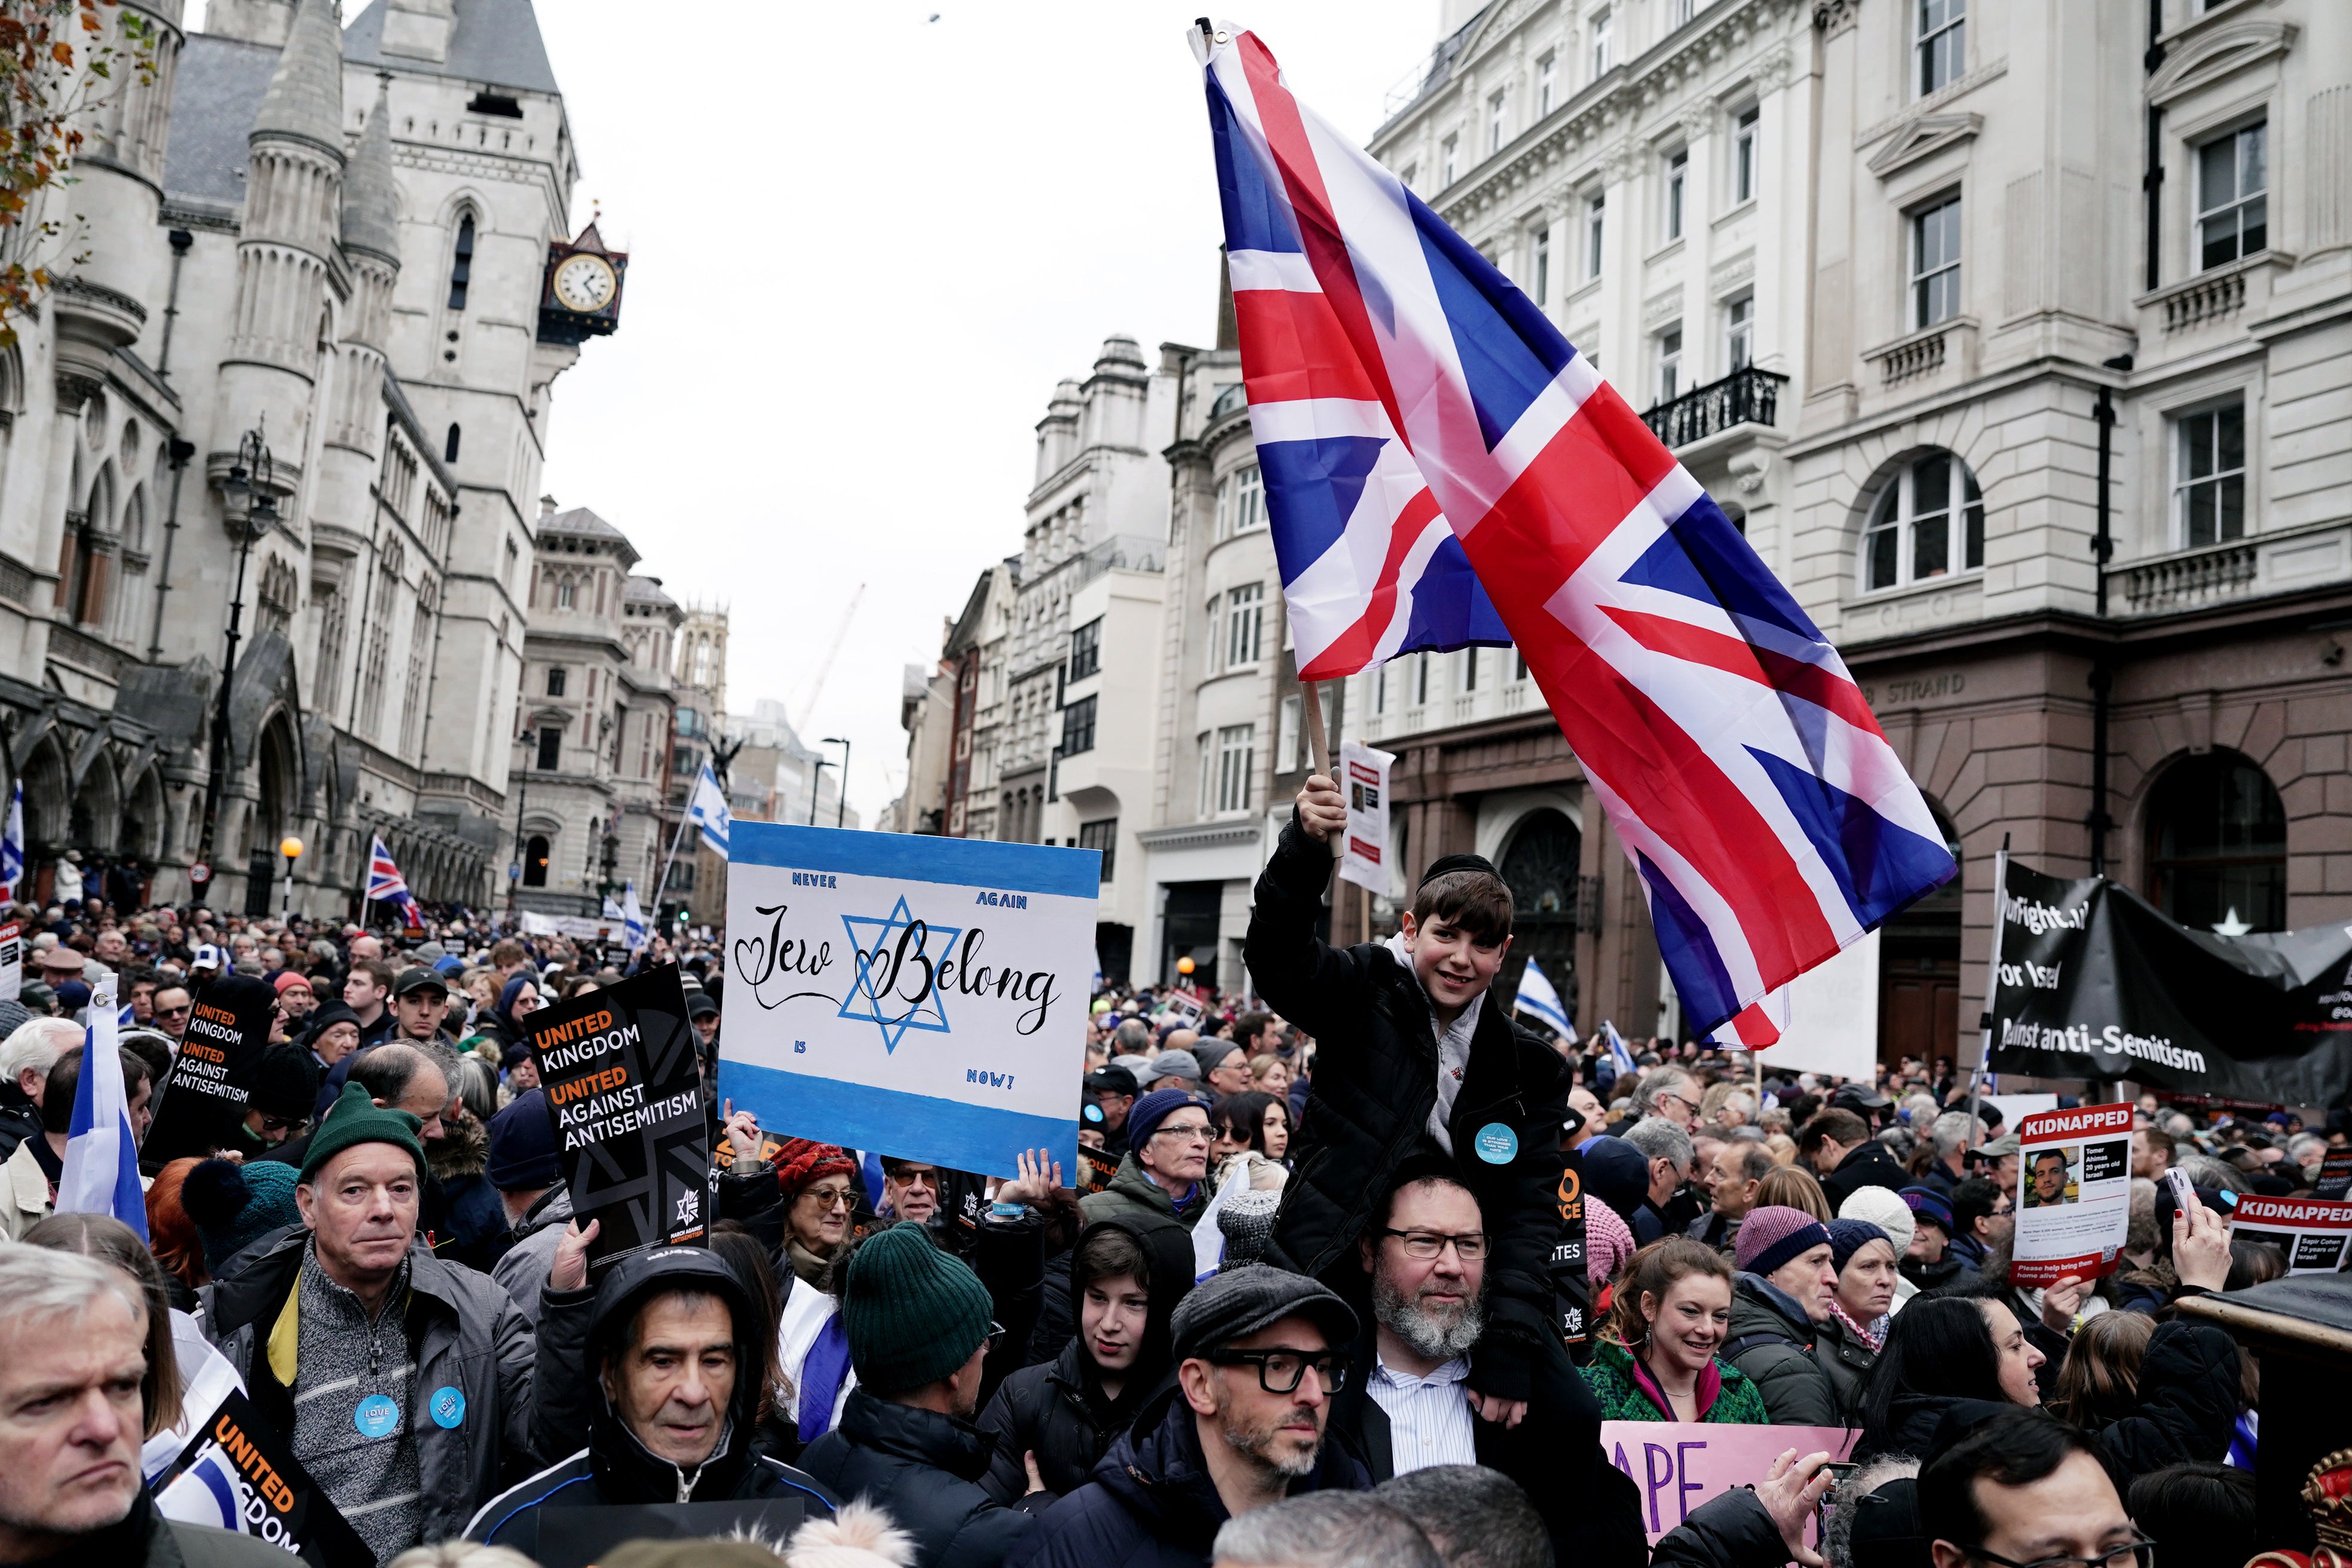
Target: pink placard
<point>1678,1465</point>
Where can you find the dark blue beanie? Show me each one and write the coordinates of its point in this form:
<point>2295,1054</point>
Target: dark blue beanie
<point>1144,1117</point>
<point>522,1145</point>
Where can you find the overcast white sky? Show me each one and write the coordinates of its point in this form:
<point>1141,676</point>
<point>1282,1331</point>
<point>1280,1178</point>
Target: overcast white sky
<point>864,245</point>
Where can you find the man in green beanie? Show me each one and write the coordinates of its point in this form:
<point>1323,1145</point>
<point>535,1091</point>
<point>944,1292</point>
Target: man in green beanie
<point>402,1380</point>
<point>920,1324</point>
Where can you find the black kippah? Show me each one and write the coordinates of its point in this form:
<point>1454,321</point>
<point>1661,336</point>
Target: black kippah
<point>1446,864</point>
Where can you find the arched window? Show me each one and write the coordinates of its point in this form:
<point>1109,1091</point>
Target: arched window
<point>461,265</point>
<point>449,445</point>
<point>1929,522</point>
<point>2217,845</point>
<point>566,593</point>
<point>534,861</point>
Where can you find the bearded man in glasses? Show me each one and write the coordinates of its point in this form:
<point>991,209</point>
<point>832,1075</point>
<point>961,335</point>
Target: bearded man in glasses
<point>1260,1352</point>
<point>1406,1404</point>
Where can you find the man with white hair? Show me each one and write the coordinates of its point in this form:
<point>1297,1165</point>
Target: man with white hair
<point>26,1059</point>
<point>1953,1134</point>
<point>73,1353</point>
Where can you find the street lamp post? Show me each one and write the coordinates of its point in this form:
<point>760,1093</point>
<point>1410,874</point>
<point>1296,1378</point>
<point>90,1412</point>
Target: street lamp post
<point>291,848</point>
<point>250,512</point>
<point>841,790</point>
<point>816,787</point>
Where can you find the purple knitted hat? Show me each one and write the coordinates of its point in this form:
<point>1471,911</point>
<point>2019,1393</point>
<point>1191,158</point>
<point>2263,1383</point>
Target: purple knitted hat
<point>1774,1233</point>
<point>1607,1241</point>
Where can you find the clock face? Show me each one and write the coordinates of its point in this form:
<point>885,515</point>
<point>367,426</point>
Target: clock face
<point>585,283</point>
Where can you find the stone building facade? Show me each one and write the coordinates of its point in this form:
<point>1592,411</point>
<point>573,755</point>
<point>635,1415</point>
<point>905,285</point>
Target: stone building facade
<point>332,243</point>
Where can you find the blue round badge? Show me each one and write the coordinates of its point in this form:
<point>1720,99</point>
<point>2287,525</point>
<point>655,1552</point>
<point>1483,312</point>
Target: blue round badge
<point>377,1416</point>
<point>1497,1144</point>
<point>448,1407</point>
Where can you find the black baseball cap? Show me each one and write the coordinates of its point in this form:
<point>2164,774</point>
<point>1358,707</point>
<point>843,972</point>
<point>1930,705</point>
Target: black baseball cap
<point>419,979</point>
<point>698,1006</point>
<point>1111,1079</point>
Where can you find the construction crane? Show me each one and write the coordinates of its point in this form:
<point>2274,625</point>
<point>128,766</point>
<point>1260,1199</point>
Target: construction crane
<point>807,704</point>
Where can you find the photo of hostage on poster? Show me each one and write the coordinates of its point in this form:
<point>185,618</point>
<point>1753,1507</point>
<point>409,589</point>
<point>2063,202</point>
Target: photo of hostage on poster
<point>2312,1234</point>
<point>631,1129</point>
<point>907,996</point>
<point>2073,1193</point>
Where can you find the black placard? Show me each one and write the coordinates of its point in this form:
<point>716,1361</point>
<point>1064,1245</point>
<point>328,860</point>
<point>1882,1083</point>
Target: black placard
<point>623,1078</point>
<point>238,1464</point>
<point>205,1096</point>
<point>2096,983</point>
<point>2334,1174</point>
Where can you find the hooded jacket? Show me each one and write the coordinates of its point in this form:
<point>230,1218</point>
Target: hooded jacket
<point>1375,1088</point>
<point>463,1333</point>
<point>1057,1409</point>
<point>1151,1503</point>
<point>578,1330</point>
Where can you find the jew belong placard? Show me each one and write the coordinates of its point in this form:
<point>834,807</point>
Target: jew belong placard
<point>908,994</point>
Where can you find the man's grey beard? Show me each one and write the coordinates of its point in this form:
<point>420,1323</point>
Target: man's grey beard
<point>1256,1444</point>
<point>1433,1334</point>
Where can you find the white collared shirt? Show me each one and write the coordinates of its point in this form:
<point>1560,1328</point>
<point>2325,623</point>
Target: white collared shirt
<point>1430,1419</point>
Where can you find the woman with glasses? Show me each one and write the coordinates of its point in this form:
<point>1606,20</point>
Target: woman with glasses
<point>820,1201</point>
<point>1656,1359</point>
<point>1251,1121</point>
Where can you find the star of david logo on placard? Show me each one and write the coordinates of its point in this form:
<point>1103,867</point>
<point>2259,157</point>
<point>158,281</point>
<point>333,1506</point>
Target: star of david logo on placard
<point>893,990</point>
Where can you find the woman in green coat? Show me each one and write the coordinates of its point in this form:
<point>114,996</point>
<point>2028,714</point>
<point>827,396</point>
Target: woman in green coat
<point>1656,1359</point>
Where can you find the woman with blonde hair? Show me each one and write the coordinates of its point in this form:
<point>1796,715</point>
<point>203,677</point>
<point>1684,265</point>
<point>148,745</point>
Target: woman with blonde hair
<point>1793,1186</point>
<point>1655,1359</point>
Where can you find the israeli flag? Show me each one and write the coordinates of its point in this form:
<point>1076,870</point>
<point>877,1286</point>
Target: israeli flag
<point>1540,1000</point>
<point>12,844</point>
<point>612,910</point>
<point>1619,1052</point>
<point>706,809</point>
<point>633,919</point>
<point>102,1164</point>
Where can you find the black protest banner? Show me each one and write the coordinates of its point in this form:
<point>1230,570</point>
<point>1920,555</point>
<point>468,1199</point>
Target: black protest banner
<point>624,1080</point>
<point>2096,983</point>
<point>205,1096</point>
<point>237,1474</point>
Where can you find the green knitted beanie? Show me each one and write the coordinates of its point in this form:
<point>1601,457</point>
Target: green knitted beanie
<point>913,1314</point>
<point>355,1118</point>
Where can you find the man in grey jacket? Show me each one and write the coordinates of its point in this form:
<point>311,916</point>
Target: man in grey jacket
<point>403,1382</point>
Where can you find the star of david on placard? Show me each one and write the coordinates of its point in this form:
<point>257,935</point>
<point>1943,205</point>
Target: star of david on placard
<point>875,941</point>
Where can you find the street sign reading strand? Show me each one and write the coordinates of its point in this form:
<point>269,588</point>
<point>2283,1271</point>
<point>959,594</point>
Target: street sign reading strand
<point>631,1129</point>
<point>211,1076</point>
<point>907,994</point>
<point>2073,1193</point>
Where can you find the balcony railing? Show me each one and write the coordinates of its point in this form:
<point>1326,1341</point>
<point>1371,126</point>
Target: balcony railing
<point>1747,396</point>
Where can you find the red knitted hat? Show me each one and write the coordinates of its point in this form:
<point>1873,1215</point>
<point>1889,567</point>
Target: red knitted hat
<point>801,1163</point>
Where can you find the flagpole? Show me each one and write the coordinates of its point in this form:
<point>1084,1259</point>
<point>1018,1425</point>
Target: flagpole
<point>663,886</point>
<point>1992,974</point>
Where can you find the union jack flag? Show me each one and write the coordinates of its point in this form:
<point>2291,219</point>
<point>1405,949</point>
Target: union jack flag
<point>1400,387</point>
<point>385,882</point>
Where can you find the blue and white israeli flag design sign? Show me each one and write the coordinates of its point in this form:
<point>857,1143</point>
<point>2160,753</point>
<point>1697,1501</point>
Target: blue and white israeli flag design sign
<point>918,997</point>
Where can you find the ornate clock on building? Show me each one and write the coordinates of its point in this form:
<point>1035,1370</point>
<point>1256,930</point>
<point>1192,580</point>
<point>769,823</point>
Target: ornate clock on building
<point>580,296</point>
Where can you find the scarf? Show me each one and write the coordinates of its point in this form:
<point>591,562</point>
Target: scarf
<point>1857,1330</point>
<point>806,1264</point>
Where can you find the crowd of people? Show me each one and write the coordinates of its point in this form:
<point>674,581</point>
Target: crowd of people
<point>1292,1295</point>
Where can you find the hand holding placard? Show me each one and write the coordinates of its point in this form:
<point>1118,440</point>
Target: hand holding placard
<point>2200,1246</point>
<point>1790,1493</point>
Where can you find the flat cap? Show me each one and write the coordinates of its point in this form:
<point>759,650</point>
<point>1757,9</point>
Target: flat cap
<point>2002,1147</point>
<point>1181,1064</point>
<point>1235,1305</point>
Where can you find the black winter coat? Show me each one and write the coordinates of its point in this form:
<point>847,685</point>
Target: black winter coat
<point>1375,1085</point>
<point>924,1470</point>
<point>1809,1374</point>
<point>1057,1410</point>
<point>1730,1530</point>
<point>1590,1508</point>
<point>578,1331</point>
<point>1868,1165</point>
<point>2187,1405</point>
<point>1151,1503</point>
